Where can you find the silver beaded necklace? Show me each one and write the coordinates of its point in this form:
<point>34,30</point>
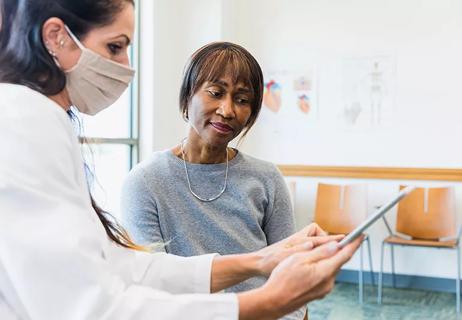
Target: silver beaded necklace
<point>189,182</point>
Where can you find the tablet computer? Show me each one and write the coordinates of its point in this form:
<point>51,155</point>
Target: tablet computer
<point>375,216</point>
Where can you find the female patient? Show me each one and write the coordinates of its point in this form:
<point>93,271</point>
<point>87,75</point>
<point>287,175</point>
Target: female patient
<point>202,196</point>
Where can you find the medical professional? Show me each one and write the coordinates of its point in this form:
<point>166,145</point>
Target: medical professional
<point>63,258</point>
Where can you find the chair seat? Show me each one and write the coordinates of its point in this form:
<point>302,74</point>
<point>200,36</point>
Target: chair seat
<point>421,242</point>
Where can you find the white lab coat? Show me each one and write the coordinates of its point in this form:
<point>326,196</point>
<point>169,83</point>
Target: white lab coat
<point>56,261</point>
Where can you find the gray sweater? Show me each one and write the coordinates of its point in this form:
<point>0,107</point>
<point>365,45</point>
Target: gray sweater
<point>253,212</point>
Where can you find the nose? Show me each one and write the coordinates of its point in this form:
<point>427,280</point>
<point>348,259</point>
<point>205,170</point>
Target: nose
<point>226,108</point>
<point>126,59</point>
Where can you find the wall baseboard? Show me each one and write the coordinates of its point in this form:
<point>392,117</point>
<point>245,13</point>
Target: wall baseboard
<point>402,281</point>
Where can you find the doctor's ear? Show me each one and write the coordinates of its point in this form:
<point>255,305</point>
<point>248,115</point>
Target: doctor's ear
<point>59,44</point>
<point>54,36</point>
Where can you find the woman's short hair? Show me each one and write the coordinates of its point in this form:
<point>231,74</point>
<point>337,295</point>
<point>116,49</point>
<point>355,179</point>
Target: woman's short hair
<point>24,58</point>
<point>211,62</point>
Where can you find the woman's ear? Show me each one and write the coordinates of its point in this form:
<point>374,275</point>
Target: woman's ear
<point>54,36</point>
<point>185,114</point>
<point>59,44</point>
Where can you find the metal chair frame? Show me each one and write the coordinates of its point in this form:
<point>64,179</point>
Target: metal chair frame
<point>361,268</point>
<point>380,280</point>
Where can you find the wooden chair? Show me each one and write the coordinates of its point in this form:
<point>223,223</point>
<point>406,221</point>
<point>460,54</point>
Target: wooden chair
<point>339,209</point>
<point>425,218</point>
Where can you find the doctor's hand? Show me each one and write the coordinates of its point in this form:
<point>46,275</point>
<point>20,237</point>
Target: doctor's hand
<point>299,279</point>
<point>304,240</point>
<point>232,269</point>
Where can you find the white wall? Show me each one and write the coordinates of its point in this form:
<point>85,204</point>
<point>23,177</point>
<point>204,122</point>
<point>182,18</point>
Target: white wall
<point>425,35</point>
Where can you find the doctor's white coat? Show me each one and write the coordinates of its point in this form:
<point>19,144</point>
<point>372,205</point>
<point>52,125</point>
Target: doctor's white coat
<point>56,261</point>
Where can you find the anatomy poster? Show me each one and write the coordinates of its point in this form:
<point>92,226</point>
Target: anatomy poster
<point>367,92</point>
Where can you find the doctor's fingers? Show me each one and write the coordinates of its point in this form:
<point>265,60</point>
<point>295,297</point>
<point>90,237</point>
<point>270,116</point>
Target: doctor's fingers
<point>316,280</point>
<point>318,241</point>
<point>325,272</point>
<point>308,243</point>
<point>313,229</point>
<point>316,269</point>
<point>336,261</point>
<point>321,289</point>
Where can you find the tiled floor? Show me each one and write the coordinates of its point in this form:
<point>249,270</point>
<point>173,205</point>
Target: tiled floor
<point>398,304</point>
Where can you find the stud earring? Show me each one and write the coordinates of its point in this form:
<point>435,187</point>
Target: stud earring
<point>61,43</point>
<point>51,52</point>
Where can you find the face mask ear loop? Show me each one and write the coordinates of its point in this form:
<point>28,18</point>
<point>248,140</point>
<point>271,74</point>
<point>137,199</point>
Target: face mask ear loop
<point>77,41</point>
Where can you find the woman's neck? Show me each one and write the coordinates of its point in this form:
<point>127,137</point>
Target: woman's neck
<point>203,153</point>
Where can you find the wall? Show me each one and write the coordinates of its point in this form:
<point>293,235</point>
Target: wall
<point>421,37</point>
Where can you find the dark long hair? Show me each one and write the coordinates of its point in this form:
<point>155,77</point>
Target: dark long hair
<point>24,59</point>
<point>210,62</point>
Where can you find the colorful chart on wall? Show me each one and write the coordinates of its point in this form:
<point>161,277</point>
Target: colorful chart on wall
<point>289,97</point>
<point>363,87</point>
<point>291,92</point>
<point>346,102</point>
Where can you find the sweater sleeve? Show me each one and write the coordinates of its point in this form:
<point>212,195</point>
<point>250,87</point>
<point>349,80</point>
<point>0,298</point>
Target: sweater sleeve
<point>279,218</point>
<point>139,210</point>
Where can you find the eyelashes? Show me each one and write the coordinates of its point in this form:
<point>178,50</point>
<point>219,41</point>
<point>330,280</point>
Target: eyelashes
<point>114,48</point>
<point>217,95</point>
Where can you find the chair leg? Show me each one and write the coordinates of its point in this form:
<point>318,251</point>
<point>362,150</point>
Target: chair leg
<point>458,281</point>
<point>361,278</point>
<point>393,265</point>
<point>370,261</point>
<point>379,290</point>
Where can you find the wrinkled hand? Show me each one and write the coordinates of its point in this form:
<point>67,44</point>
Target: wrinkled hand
<point>304,240</point>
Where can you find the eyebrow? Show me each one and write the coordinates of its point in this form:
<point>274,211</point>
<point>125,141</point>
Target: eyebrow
<point>127,39</point>
<point>225,84</point>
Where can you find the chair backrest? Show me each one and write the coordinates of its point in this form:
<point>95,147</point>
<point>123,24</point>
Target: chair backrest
<point>427,213</point>
<point>340,208</point>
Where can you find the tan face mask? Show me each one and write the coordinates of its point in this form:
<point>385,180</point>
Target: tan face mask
<point>95,82</point>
